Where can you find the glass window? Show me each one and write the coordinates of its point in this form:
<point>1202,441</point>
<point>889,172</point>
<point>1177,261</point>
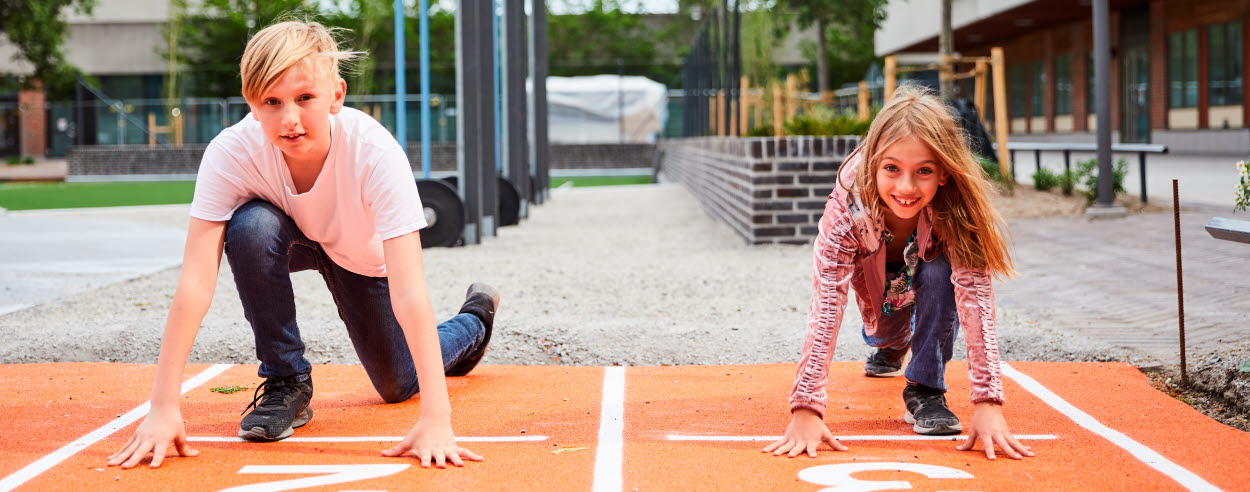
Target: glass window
<point>1224,63</point>
<point>1019,88</point>
<point>1037,95</point>
<point>1090,107</point>
<point>1183,69</point>
<point>1063,84</point>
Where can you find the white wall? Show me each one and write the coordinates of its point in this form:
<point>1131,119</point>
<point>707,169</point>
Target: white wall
<point>911,21</point>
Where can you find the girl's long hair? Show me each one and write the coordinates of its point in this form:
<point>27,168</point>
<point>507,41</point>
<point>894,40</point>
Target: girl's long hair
<point>963,217</point>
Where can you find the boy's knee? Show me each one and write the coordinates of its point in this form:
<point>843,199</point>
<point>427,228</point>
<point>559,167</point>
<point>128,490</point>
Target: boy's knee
<point>395,393</point>
<point>255,223</point>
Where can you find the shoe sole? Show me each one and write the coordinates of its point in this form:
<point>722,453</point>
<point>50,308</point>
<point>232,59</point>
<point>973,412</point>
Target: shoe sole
<point>258,433</point>
<point>940,430</point>
<point>872,374</point>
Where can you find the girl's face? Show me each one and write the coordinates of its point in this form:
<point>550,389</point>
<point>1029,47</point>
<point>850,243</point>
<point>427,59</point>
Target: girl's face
<point>295,112</point>
<point>908,177</point>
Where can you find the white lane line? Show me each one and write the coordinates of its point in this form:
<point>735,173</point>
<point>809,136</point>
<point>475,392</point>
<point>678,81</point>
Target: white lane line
<point>679,437</point>
<point>372,439</point>
<point>56,457</point>
<point>1146,455</point>
<point>609,453</point>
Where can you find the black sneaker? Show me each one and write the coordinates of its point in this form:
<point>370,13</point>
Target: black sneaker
<point>282,408</point>
<point>927,412</point>
<point>885,363</point>
<point>482,301</point>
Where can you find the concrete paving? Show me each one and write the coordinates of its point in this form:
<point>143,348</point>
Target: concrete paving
<point>1201,179</point>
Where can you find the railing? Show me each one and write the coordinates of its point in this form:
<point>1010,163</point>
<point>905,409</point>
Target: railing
<point>1068,148</point>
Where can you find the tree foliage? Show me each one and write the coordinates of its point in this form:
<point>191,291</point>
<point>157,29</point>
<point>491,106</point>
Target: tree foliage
<point>37,29</point>
<point>849,28</point>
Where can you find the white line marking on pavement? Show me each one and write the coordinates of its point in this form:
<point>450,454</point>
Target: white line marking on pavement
<point>372,439</point>
<point>1146,455</point>
<point>679,437</point>
<point>609,454</point>
<point>56,457</point>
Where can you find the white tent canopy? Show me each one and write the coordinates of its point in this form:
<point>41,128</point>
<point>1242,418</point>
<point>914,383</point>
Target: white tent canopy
<point>605,109</point>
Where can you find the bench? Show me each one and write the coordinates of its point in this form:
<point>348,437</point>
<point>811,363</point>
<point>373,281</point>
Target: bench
<point>1229,229</point>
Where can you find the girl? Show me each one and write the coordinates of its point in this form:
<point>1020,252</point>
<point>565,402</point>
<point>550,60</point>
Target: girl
<point>911,229</point>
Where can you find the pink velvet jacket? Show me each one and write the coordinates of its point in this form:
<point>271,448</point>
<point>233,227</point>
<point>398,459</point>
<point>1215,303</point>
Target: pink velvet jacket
<point>849,250</point>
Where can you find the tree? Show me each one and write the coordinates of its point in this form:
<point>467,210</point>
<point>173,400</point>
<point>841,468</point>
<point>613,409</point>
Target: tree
<point>593,42</point>
<point>36,29</point>
<point>844,31</point>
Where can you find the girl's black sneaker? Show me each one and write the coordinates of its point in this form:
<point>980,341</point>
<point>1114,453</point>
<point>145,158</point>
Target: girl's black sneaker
<point>279,410</point>
<point>885,363</point>
<point>927,411</point>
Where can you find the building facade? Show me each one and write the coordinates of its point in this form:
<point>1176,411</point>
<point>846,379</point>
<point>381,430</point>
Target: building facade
<point>1178,67</point>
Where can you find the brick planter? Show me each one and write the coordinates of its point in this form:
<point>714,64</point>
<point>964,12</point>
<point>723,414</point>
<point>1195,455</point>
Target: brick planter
<point>769,190</point>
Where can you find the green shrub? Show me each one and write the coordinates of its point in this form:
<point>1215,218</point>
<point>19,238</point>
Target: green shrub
<point>28,160</point>
<point>990,168</point>
<point>12,160</point>
<point>763,130</point>
<point>824,121</point>
<point>1067,182</point>
<point>1044,180</point>
<point>1087,174</point>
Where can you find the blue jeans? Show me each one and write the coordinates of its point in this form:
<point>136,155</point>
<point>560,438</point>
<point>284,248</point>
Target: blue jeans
<point>263,246</point>
<point>928,326</point>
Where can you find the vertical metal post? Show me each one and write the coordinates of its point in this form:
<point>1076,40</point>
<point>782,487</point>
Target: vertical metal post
<point>1141,160</point>
<point>1102,100</point>
<point>515,133</point>
<point>475,149</point>
<point>401,91</point>
<point>1180,285</point>
<point>488,179</point>
<point>423,34</point>
<point>737,67</point>
<point>496,55</point>
<point>620,101</point>
<point>1067,162</point>
<point>80,120</point>
<point>1037,160</point>
<point>539,147</point>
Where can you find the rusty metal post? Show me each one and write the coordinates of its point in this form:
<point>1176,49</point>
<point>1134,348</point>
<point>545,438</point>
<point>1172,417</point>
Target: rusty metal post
<point>1180,286</point>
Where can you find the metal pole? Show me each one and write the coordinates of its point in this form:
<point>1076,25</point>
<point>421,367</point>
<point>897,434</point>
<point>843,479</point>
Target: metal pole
<point>469,152</point>
<point>1141,160</point>
<point>80,120</point>
<point>946,49</point>
<point>540,148</point>
<point>737,66</point>
<point>1180,285</point>
<point>516,133</point>
<point>401,96</point>
<point>495,55</point>
<point>1102,100</point>
<point>423,33</point>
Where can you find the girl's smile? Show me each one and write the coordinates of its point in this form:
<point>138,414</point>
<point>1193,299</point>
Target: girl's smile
<point>908,177</point>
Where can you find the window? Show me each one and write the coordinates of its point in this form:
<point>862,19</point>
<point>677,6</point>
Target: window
<point>1063,84</point>
<point>1183,69</point>
<point>1224,64</point>
<point>1090,97</point>
<point>1018,92</point>
<point>1037,97</point>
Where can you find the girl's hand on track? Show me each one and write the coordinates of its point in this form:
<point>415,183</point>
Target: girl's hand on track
<point>989,427</point>
<point>158,430</point>
<point>805,433</point>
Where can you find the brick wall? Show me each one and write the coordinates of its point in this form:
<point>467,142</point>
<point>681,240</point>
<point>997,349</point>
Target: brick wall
<point>34,122</point>
<point>120,160</point>
<point>768,190</point>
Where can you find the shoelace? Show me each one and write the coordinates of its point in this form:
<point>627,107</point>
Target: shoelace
<point>257,396</point>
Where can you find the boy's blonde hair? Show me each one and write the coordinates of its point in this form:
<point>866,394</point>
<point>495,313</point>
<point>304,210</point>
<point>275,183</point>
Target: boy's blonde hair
<point>278,47</point>
<point>963,216</point>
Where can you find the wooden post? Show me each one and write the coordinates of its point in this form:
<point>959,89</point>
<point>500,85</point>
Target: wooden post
<point>744,105</point>
<point>711,115</point>
<point>720,113</point>
<point>177,124</point>
<point>152,129</point>
<point>779,111</point>
<point>891,76</point>
<point>792,100</point>
<point>864,110</point>
<point>979,90</point>
<point>999,64</point>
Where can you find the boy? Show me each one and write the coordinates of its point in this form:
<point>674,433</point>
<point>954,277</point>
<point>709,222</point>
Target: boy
<point>304,183</point>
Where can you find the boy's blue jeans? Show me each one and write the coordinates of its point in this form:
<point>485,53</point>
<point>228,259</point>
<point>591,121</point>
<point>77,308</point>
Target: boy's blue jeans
<point>263,246</point>
<point>928,326</point>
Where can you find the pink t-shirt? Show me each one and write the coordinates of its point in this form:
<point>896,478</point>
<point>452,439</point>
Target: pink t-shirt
<point>364,195</point>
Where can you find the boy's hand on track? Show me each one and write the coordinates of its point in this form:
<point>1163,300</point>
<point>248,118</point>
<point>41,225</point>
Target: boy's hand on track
<point>154,435</point>
<point>432,443</point>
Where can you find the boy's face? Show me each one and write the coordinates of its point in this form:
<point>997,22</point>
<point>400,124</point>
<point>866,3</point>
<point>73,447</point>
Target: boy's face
<point>295,112</point>
<point>908,177</point>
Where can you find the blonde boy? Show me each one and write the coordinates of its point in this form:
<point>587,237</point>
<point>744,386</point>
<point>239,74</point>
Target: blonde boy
<point>304,183</point>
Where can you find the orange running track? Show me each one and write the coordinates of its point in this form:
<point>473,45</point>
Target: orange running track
<point>1094,426</point>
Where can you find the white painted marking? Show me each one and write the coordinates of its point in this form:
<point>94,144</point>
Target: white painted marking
<point>839,475</point>
<point>679,437</point>
<point>1150,457</point>
<point>337,474</point>
<point>99,210</point>
<point>372,439</point>
<point>609,454</point>
<point>56,457</point>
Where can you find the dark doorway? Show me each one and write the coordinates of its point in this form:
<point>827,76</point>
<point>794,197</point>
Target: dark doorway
<point>1135,75</point>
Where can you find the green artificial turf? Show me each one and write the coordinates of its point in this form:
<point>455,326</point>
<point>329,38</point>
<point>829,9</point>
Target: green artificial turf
<point>30,196</point>
<point>580,181</point>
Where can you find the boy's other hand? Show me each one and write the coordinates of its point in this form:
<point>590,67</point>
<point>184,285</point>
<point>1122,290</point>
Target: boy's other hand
<point>432,442</point>
<point>990,427</point>
<point>805,433</point>
<point>158,430</point>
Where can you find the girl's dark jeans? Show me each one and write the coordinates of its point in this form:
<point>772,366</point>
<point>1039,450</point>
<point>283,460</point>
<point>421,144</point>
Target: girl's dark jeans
<point>264,246</point>
<point>929,325</point>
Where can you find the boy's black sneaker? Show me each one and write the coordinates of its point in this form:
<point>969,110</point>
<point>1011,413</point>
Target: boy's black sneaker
<point>482,301</point>
<point>885,363</point>
<point>282,408</point>
<point>927,412</point>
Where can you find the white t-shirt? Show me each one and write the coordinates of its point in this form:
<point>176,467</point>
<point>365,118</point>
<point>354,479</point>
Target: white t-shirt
<point>364,195</point>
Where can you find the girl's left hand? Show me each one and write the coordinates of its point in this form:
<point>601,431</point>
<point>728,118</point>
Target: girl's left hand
<point>989,426</point>
<point>432,442</point>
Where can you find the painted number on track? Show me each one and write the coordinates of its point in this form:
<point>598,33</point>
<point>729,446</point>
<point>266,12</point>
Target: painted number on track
<point>333,474</point>
<point>839,478</point>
